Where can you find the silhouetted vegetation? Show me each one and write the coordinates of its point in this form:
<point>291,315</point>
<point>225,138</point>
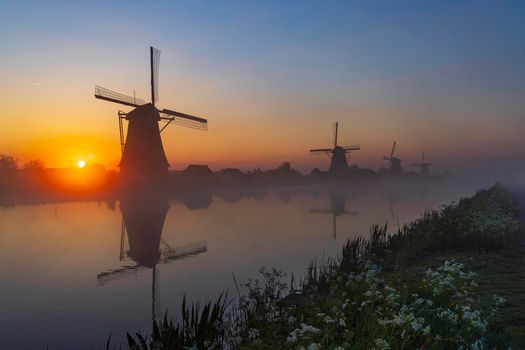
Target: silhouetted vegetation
<point>204,328</point>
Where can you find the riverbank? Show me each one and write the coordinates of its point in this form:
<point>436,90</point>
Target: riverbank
<point>416,288</point>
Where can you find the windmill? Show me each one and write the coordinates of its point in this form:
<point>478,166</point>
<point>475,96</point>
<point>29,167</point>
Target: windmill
<point>143,216</point>
<point>423,167</point>
<point>337,208</point>
<point>394,163</point>
<point>338,155</point>
<point>143,158</point>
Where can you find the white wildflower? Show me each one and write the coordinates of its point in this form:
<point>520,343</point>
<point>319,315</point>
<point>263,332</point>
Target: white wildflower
<point>314,346</point>
<point>381,344</point>
<point>253,333</point>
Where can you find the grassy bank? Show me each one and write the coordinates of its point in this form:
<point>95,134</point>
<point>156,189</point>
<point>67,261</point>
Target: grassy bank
<point>408,290</point>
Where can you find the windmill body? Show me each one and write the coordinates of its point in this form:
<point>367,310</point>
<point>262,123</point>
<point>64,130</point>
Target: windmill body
<point>143,160</point>
<point>395,166</point>
<point>394,163</point>
<point>338,156</point>
<point>338,162</point>
<point>423,166</point>
<point>424,170</point>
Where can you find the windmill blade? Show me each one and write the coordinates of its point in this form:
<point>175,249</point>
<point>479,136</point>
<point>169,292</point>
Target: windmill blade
<point>182,252</point>
<point>352,148</point>
<point>393,149</point>
<point>321,211</point>
<point>186,120</point>
<point>154,61</point>
<point>112,96</point>
<point>387,158</point>
<point>105,277</point>
<point>320,150</point>
<point>336,127</point>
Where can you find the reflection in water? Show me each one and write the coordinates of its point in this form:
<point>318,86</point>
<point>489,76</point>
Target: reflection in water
<point>54,293</point>
<point>143,216</point>
<point>196,200</point>
<point>337,208</point>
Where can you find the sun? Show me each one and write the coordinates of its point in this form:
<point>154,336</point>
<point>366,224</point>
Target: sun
<point>81,164</point>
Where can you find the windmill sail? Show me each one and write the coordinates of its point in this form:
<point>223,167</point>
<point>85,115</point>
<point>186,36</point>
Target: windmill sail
<point>393,150</point>
<point>155,61</point>
<point>321,150</point>
<point>336,127</point>
<point>166,256</point>
<point>186,120</point>
<point>112,96</point>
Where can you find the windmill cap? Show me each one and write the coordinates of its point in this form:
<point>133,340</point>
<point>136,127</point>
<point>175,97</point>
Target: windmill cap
<point>143,112</point>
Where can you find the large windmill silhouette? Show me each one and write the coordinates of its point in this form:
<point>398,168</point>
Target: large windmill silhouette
<point>423,167</point>
<point>143,157</point>
<point>338,155</point>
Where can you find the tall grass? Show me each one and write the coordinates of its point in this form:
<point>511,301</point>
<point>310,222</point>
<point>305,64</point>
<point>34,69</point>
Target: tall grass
<point>203,327</point>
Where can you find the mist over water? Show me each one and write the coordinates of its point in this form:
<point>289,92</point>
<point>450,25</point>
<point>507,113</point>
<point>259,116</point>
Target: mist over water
<point>70,283</point>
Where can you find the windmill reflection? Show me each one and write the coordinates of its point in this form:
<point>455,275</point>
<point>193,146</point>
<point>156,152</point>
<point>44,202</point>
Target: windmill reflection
<point>143,216</point>
<point>337,208</point>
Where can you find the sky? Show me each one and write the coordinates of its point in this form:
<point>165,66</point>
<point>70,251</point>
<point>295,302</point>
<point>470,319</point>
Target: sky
<point>271,77</point>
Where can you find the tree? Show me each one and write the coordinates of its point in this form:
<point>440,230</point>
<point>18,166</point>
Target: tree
<point>35,165</point>
<point>285,167</point>
<point>8,163</point>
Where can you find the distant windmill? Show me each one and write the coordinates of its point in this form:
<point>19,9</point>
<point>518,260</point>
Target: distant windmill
<point>423,167</point>
<point>143,157</point>
<point>394,163</point>
<point>338,155</point>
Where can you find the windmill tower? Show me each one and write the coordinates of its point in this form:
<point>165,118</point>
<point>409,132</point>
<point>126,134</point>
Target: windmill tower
<point>143,159</point>
<point>338,155</point>
<point>423,167</point>
<point>394,163</point>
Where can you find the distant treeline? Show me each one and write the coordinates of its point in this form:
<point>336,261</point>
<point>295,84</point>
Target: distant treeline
<point>283,174</point>
<point>33,179</point>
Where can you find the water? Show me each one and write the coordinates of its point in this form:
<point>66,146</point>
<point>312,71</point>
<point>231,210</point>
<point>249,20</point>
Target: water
<point>67,283</point>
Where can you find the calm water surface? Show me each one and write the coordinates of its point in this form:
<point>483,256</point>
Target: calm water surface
<point>70,274</point>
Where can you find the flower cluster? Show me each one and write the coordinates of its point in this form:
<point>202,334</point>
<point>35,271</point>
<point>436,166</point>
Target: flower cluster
<point>364,310</point>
